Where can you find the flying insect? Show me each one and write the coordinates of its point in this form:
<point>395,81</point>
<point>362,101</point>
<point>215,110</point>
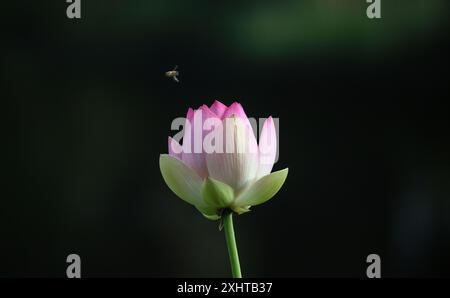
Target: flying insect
<point>173,74</point>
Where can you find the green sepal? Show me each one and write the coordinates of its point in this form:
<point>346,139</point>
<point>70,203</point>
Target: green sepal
<point>262,190</point>
<point>217,194</point>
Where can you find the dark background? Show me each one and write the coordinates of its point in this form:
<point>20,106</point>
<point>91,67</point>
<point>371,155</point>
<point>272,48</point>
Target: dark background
<point>363,129</point>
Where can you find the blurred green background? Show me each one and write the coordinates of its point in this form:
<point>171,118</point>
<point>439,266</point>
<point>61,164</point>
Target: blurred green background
<point>363,128</point>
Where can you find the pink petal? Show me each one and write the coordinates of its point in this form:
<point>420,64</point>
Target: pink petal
<point>218,108</point>
<point>190,114</point>
<point>193,153</point>
<point>235,109</point>
<point>267,148</point>
<point>175,148</point>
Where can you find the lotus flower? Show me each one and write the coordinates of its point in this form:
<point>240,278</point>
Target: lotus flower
<point>220,165</point>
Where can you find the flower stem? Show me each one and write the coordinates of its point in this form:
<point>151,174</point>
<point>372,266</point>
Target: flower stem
<point>231,244</point>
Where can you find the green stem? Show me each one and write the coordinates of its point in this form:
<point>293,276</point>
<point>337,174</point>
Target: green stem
<point>231,244</point>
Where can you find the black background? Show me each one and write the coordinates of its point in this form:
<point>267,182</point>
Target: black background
<point>363,129</point>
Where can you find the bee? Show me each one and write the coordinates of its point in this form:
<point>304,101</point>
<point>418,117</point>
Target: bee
<point>173,74</point>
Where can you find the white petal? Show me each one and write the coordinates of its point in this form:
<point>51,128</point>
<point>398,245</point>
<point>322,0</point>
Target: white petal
<point>238,163</point>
